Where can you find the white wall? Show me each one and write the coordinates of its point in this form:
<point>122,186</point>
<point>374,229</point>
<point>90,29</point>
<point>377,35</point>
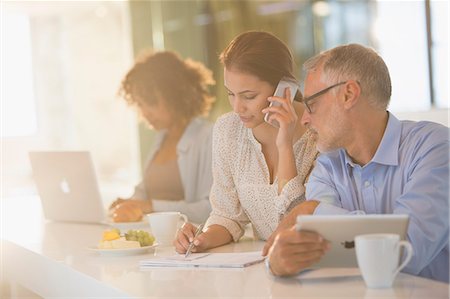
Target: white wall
<point>441,116</point>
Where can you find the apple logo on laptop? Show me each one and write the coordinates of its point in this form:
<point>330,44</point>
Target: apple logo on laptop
<point>64,185</point>
<point>348,244</point>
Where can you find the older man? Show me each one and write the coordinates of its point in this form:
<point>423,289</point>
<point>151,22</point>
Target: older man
<point>370,162</point>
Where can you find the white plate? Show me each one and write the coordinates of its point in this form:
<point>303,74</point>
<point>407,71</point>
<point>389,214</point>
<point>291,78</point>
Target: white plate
<point>121,252</point>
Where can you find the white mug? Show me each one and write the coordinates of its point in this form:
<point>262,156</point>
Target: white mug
<point>378,257</point>
<point>164,226</point>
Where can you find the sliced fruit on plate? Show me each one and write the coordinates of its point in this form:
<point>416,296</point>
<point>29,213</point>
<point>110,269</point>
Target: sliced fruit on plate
<point>120,243</point>
<point>143,237</point>
<point>112,234</point>
<point>112,239</point>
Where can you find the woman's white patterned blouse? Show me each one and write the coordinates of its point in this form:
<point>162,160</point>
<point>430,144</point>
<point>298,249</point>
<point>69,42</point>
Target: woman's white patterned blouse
<point>241,190</point>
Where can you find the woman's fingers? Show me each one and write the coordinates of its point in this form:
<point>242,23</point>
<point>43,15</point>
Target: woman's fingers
<point>116,202</point>
<point>179,245</point>
<point>127,211</point>
<point>200,243</point>
<point>281,115</point>
<point>284,112</point>
<point>282,105</point>
<point>282,101</point>
<point>184,237</point>
<point>189,231</point>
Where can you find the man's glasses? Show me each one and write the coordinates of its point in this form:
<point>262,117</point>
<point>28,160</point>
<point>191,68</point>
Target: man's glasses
<point>318,94</point>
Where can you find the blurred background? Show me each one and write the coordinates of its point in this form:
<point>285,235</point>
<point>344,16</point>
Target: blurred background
<point>62,63</point>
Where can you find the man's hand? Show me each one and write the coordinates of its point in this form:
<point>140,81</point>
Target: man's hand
<point>289,220</point>
<point>293,251</point>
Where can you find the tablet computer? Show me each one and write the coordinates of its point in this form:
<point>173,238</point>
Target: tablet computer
<point>340,231</point>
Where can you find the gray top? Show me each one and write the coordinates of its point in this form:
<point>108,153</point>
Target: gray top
<point>163,181</point>
<point>194,162</point>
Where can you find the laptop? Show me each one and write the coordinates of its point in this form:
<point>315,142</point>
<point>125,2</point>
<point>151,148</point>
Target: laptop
<point>67,186</point>
<point>340,231</point>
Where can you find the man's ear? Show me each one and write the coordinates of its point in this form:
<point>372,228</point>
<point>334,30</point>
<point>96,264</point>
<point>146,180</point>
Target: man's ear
<point>352,91</point>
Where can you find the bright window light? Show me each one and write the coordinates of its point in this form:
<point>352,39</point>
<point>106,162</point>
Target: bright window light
<point>17,95</point>
<point>440,52</point>
<point>402,43</point>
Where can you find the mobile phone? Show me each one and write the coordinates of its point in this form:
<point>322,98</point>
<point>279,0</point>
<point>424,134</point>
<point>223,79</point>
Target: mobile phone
<point>284,83</point>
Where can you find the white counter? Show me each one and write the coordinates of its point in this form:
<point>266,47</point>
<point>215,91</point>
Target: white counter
<point>53,260</point>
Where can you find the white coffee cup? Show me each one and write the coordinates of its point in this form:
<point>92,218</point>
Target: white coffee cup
<point>378,257</point>
<point>164,226</point>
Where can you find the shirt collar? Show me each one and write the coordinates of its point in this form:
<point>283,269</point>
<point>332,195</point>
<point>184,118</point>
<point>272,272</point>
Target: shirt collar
<point>252,138</point>
<point>188,136</point>
<point>348,161</point>
<point>387,151</point>
<point>186,139</point>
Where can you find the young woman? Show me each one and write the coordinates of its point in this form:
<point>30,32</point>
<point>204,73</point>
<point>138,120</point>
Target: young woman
<point>171,94</point>
<point>259,171</point>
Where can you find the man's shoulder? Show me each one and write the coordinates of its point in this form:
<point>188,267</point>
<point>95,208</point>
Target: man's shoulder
<point>419,132</point>
<point>424,127</point>
<point>423,140</point>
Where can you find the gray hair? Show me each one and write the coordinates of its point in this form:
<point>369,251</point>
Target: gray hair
<point>355,62</point>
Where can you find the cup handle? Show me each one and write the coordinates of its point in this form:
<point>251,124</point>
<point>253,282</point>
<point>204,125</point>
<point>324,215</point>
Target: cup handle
<point>185,219</point>
<point>409,254</point>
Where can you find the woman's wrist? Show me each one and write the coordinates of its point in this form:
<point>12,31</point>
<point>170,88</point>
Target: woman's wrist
<point>287,169</point>
<point>285,148</point>
<point>217,235</point>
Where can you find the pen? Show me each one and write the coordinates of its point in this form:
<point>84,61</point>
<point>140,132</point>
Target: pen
<point>191,245</point>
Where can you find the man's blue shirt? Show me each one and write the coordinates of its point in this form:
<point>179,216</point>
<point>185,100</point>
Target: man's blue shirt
<point>409,174</point>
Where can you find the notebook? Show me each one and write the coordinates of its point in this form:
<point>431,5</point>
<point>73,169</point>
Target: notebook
<point>67,186</point>
<point>340,231</point>
<point>211,260</point>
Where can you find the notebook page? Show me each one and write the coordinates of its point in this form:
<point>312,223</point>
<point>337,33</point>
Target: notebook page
<point>215,260</point>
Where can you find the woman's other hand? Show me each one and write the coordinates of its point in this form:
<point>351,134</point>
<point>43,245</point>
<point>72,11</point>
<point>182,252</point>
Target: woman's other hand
<point>130,210</point>
<point>115,203</point>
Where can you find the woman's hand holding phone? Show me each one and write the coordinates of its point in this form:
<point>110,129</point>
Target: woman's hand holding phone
<point>288,122</point>
<point>283,113</point>
<point>285,83</point>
